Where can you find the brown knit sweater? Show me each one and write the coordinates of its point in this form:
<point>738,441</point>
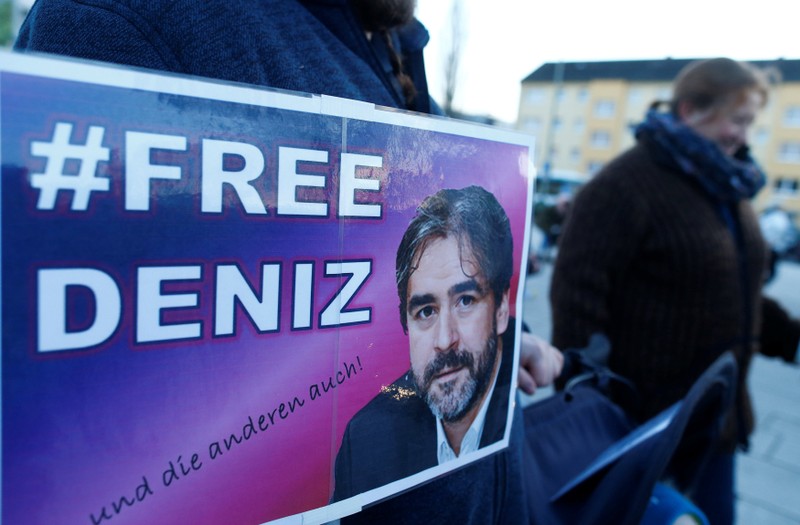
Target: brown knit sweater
<point>647,259</point>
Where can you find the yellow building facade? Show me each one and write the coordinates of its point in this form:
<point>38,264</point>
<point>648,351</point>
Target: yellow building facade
<point>582,115</point>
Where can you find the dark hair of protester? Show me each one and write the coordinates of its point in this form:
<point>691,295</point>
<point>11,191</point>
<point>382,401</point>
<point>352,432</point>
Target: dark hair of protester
<point>381,16</point>
<point>709,84</point>
<point>473,216</point>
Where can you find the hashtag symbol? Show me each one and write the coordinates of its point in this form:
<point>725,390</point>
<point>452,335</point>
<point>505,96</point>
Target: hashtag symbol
<point>55,177</point>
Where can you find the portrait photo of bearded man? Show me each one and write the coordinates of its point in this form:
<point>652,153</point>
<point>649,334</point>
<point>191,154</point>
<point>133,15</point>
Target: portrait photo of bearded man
<point>453,272</point>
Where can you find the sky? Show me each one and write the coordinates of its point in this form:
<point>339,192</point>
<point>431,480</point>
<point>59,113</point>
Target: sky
<point>506,40</point>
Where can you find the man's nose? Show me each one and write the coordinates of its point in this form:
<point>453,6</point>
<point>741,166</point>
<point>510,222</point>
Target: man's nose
<point>446,331</point>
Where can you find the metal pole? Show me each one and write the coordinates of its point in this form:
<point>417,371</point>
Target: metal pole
<point>558,81</point>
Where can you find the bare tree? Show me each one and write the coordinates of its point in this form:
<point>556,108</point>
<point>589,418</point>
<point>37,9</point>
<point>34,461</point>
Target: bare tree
<point>453,56</point>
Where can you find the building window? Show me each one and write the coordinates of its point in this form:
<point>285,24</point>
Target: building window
<point>789,152</point>
<point>583,95</point>
<point>531,124</point>
<point>791,118</point>
<point>578,125</point>
<point>560,95</point>
<point>535,96</point>
<point>604,109</point>
<point>786,186</point>
<point>556,124</point>
<point>601,139</point>
<point>593,167</point>
<point>761,137</point>
<point>634,96</point>
<point>575,154</point>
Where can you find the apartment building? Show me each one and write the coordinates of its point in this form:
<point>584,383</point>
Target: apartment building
<point>582,114</point>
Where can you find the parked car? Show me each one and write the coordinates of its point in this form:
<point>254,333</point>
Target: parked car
<point>551,201</point>
<point>559,182</point>
<point>781,233</point>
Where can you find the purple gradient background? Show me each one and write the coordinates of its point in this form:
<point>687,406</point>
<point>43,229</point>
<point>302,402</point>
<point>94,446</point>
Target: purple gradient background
<point>81,429</point>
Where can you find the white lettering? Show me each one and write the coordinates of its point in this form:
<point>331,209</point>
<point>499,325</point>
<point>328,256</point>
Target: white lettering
<point>232,285</point>
<point>289,180</point>
<point>303,295</point>
<point>215,176</point>
<point>334,313</point>
<point>52,284</point>
<point>138,169</point>
<point>349,183</point>
<point>150,301</point>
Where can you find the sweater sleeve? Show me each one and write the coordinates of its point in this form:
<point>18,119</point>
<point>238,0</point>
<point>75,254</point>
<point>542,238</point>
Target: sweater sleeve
<point>780,334</point>
<point>95,30</point>
<point>598,244</point>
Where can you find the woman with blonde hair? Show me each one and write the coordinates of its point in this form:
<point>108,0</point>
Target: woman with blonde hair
<point>662,253</point>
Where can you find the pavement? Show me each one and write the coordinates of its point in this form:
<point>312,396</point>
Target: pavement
<point>768,476</point>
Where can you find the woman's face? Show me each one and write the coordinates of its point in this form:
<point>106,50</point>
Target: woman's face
<point>727,125</point>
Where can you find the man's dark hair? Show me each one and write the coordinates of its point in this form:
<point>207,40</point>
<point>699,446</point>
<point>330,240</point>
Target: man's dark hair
<point>476,220</point>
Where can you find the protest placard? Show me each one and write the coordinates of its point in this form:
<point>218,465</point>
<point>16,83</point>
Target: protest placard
<point>198,290</point>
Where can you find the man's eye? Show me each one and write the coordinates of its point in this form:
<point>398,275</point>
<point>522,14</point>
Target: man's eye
<point>424,312</point>
<point>466,300</point>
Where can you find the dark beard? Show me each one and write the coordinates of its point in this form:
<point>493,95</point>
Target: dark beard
<point>453,405</point>
<point>382,15</point>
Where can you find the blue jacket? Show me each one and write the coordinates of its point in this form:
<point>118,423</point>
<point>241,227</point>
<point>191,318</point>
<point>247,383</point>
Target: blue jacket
<point>240,41</point>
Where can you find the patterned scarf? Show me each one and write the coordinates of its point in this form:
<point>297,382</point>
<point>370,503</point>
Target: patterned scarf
<point>725,178</point>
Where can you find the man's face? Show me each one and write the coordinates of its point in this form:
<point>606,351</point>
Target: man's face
<point>453,327</point>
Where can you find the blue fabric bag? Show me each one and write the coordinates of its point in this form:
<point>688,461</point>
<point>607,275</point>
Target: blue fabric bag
<point>588,463</point>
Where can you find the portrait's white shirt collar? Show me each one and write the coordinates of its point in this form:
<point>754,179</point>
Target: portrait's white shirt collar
<point>472,438</point>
